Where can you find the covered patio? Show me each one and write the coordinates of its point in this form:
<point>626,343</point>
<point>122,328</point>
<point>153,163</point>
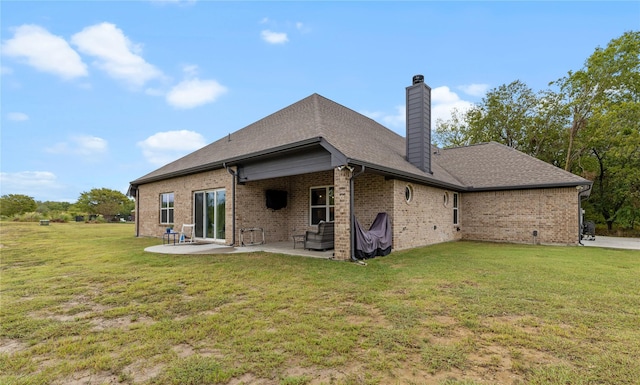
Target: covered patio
<point>214,248</point>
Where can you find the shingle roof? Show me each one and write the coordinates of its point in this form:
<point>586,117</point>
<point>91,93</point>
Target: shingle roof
<point>364,141</point>
<point>496,166</point>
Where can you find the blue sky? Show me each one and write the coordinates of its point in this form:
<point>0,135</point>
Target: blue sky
<point>98,93</point>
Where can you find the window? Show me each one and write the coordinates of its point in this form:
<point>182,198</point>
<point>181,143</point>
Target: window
<point>321,205</point>
<point>210,214</point>
<point>166,208</point>
<point>455,208</point>
<point>408,193</point>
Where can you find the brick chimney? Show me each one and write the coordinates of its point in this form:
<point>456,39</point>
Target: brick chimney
<point>419,124</point>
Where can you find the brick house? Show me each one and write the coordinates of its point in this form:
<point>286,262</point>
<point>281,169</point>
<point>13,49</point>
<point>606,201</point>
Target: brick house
<point>318,160</point>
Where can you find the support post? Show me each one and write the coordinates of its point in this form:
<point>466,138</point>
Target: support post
<point>342,213</point>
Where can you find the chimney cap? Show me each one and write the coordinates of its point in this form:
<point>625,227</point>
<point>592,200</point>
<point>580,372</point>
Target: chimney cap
<point>418,79</point>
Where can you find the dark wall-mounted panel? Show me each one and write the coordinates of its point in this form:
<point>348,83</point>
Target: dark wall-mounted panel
<point>275,199</point>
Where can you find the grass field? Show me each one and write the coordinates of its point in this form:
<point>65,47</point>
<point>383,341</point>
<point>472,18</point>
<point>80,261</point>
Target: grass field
<point>84,304</point>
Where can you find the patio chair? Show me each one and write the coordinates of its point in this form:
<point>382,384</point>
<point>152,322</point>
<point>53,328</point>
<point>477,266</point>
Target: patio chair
<point>187,234</point>
<point>321,239</point>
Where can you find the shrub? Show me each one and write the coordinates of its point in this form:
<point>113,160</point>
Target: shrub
<point>28,217</point>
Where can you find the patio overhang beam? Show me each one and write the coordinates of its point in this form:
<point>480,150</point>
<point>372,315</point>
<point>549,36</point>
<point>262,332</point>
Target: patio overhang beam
<point>233,161</point>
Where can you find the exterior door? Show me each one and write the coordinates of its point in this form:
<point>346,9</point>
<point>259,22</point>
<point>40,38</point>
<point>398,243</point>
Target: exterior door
<point>209,214</point>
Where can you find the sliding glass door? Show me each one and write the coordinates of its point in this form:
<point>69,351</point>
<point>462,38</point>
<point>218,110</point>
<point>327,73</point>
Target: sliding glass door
<point>209,214</point>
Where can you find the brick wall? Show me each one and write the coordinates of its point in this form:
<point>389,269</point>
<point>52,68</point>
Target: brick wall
<point>412,222</point>
<point>506,216</point>
<point>426,219</point>
<point>148,201</point>
<point>512,216</point>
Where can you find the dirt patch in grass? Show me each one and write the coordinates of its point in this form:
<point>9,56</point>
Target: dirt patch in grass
<point>125,322</point>
<point>183,350</point>
<point>85,377</point>
<point>11,346</point>
<point>364,314</point>
<point>139,372</point>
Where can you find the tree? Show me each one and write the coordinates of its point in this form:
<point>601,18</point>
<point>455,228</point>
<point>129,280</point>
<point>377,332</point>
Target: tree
<point>13,204</point>
<point>453,132</point>
<point>608,76</point>
<point>608,142</point>
<point>590,126</point>
<point>104,201</point>
<point>511,114</point>
<point>48,206</point>
<point>504,115</point>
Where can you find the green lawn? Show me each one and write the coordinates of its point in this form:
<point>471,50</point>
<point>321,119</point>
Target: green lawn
<point>84,304</point>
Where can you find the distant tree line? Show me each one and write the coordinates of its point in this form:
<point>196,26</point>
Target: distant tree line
<point>99,201</point>
<point>588,123</point>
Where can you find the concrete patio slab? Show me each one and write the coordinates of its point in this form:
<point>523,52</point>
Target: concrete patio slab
<point>614,242</point>
<point>213,248</point>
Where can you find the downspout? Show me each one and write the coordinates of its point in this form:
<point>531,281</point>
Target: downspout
<point>137,212</point>
<point>581,192</point>
<point>234,176</point>
<point>353,215</point>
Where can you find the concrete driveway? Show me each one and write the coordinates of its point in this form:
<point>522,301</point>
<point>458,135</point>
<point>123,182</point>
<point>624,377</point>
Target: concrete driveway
<point>614,242</point>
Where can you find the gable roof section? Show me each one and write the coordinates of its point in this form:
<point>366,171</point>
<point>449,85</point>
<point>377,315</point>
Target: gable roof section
<point>318,121</point>
<point>314,119</point>
<point>494,166</point>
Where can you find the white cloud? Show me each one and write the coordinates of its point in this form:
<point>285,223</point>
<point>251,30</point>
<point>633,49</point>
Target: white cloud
<point>192,93</point>
<point>477,90</point>
<point>17,116</point>
<point>115,54</point>
<point>90,145</point>
<point>84,145</point>
<point>28,182</point>
<point>45,52</point>
<point>164,147</point>
<point>443,102</point>
<point>274,37</point>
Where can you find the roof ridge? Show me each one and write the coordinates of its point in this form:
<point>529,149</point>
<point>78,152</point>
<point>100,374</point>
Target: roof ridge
<point>317,116</point>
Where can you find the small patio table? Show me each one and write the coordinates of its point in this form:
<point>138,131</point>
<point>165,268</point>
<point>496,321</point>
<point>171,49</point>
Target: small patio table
<point>168,236</point>
<point>298,238</point>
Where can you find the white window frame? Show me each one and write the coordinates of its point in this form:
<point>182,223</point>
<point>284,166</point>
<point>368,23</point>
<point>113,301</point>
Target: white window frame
<point>408,193</point>
<point>327,205</point>
<point>169,198</point>
<point>456,211</point>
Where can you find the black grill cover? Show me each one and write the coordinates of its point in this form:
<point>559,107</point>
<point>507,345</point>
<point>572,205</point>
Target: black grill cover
<point>376,241</point>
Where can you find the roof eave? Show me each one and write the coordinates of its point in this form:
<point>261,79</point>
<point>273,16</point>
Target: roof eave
<point>396,174</point>
<point>530,186</point>
<point>229,162</point>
